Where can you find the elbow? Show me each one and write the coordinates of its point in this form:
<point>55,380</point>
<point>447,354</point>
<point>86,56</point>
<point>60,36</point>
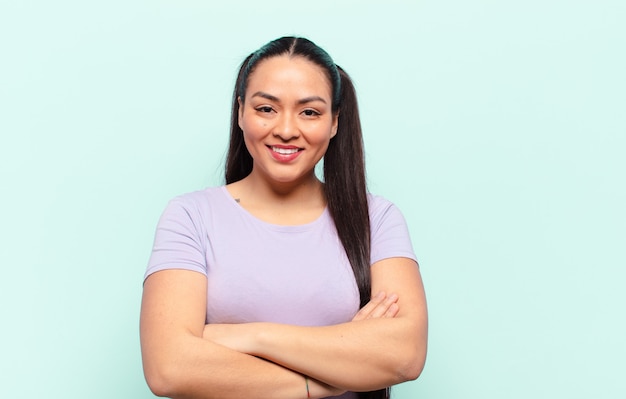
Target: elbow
<point>160,381</point>
<point>413,357</point>
<point>158,385</point>
<point>412,365</point>
<point>412,370</point>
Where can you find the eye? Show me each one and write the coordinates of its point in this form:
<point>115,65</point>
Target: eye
<point>264,109</point>
<point>310,112</point>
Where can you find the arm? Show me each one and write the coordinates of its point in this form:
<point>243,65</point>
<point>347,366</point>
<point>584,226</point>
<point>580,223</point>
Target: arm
<point>178,363</point>
<point>365,354</point>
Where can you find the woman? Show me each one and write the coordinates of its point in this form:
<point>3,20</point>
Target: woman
<point>253,289</point>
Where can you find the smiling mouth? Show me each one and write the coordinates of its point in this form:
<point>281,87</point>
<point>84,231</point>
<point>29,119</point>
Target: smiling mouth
<point>284,151</point>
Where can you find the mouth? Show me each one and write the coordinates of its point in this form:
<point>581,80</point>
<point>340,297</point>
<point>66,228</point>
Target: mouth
<point>285,150</point>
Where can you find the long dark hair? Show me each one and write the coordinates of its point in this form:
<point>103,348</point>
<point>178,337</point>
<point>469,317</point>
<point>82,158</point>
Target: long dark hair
<point>345,187</point>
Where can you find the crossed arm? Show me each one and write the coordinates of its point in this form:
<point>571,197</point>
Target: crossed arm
<point>384,344</point>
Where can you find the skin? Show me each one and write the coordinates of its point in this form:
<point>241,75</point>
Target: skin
<point>287,102</point>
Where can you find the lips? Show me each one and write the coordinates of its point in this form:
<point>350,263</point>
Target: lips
<point>283,153</point>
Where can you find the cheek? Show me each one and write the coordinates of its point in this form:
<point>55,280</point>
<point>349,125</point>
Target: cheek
<point>252,145</point>
<point>253,126</point>
<point>253,135</point>
<point>322,134</point>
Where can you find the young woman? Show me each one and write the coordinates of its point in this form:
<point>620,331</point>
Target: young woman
<point>278,285</point>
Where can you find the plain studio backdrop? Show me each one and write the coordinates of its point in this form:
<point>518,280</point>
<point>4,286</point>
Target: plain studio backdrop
<point>498,127</point>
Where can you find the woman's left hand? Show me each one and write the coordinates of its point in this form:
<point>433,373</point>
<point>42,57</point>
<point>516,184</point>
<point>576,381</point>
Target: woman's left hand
<point>380,306</point>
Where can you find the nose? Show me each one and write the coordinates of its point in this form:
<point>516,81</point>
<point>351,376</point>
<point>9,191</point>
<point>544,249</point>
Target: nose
<point>286,127</point>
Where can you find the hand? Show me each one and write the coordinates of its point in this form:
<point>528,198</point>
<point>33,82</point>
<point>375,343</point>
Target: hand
<point>380,306</point>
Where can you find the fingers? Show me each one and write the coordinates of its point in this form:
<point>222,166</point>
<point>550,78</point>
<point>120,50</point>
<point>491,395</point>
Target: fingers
<point>379,306</point>
<point>392,311</point>
<point>366,310</point>
<point>387,308</point>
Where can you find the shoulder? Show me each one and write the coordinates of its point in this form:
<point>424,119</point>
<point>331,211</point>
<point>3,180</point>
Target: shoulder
<point>380,208</point>
<point>199,197</point>
<point>199,200</point>
<point>389,231</point>
<point>377,202</point>
<point>195,206</point>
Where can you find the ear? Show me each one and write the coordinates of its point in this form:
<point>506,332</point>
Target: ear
<point>239,112</point>
<point>335,125</point>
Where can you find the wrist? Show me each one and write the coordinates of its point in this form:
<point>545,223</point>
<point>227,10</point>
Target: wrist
<point>306,382</point>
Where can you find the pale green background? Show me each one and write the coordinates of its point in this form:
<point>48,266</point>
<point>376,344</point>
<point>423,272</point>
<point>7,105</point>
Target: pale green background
<point>498,127</point>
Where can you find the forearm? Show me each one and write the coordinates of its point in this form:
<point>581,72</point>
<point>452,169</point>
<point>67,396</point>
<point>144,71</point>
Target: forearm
<point>364,354</point>
<point>358,356</point>
<point>190,367</point>
<point>179,363</point>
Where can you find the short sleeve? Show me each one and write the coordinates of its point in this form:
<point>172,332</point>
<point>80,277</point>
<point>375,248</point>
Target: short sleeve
<point>390,234</point>
<point>178,240</point>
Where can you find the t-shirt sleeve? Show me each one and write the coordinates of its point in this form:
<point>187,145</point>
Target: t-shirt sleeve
<point>390,234</point>
<point>178,240</point>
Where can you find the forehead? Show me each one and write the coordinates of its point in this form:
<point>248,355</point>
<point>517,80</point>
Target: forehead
<point>288,72</point>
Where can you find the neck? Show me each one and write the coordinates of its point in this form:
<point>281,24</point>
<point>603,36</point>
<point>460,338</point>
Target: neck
<point>302,191</point>
<point>285,204</point>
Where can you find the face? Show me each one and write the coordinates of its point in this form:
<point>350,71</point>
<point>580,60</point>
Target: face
<point>287,118</point>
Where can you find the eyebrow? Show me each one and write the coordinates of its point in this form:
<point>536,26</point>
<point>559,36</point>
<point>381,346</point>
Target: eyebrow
<point>301,101</point>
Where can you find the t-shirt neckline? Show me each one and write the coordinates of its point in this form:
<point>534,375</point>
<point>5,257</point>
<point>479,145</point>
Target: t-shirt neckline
<point>277,227</point>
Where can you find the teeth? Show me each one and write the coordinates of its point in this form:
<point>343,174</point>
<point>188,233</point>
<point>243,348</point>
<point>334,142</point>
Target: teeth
<point>285,151</point>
